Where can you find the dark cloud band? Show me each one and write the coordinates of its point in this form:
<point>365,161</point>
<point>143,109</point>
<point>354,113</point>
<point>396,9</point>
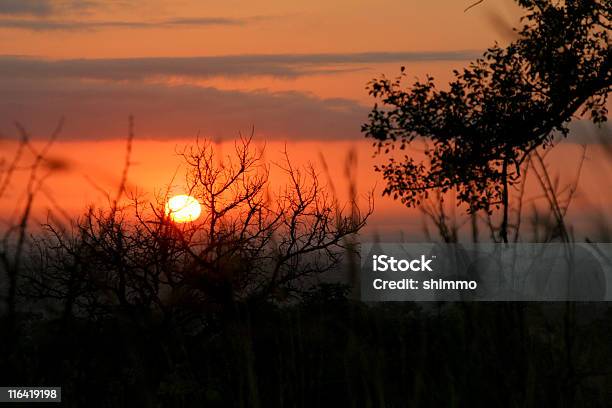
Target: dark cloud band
<point>46,8</point>
<point>26,7</point>
<point>73,25</point>
<point>281,65</point>
<point>99,110</point>
<point>53,25</point>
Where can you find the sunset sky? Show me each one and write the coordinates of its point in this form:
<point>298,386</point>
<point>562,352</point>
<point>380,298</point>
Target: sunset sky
<point>295,71</point>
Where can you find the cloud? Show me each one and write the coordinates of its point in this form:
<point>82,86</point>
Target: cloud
<point>584,132</point>
<point>100,110</point>
<point>26,7</point>
<point>279,65</point>
<point>84,25</point>
<point>66,15</point>
<point>97,95</point>
<point>45,8</point>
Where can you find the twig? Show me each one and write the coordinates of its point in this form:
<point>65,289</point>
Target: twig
<point>473,5</point>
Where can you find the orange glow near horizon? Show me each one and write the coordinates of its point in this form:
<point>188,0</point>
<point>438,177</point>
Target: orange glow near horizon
<point>92,171</point>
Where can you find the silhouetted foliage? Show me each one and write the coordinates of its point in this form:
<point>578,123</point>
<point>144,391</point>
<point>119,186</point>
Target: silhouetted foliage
<point>254,242</point>
<point>498,110</point>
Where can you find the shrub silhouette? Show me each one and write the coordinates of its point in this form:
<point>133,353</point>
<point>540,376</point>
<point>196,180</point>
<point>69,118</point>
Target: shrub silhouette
<point>251,244</point>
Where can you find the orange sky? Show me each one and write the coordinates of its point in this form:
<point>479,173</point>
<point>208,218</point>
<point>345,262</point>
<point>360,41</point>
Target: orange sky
<point>291,69</point>
<point>296,71</point>
<point>95,166</point>
<point>261,27</point>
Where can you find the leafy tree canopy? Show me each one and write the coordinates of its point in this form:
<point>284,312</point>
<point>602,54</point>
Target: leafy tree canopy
<point>500,108</point>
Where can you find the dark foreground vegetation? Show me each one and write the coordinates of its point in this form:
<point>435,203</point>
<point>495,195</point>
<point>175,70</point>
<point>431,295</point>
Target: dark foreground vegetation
<point>122,307</point>
<point>327,351</point>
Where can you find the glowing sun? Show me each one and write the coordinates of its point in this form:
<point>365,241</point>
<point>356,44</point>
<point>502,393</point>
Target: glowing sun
<point>183,208</point>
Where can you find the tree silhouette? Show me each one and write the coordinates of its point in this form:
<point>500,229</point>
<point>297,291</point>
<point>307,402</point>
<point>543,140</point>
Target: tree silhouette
<point>253,243</point>
<point>498,110</point>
